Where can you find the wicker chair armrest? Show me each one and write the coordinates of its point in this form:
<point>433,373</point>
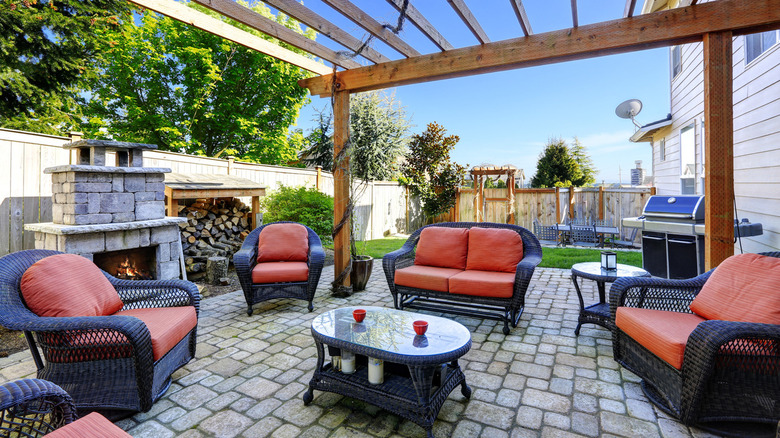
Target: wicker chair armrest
<point>529,263</point>
<point>655,293</point>
<point>51,407</point>
<point>156,293</point>
<point>316,252</point>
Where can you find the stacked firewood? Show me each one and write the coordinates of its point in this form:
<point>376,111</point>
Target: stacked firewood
<point>214,228</point>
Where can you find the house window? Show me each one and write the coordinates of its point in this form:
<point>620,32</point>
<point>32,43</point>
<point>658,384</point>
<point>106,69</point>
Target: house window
<point>676,61</point>
<point>688,160</point>
<point>758,43</point>
<point>662,149</point>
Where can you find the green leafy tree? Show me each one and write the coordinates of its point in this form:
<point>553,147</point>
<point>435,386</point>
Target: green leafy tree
<point>378,130</point>
<point>186,90</point>
<point>588,169</point>
<point>308,206</point>
<point>428,171</point>
<point>556,167</point>
<point>46,54</point>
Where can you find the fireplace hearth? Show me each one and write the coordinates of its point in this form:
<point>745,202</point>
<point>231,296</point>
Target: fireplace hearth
<point>130,264</point>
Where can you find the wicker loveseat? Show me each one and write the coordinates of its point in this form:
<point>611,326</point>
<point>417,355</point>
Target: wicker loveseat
<point>34,408</point>
<point>279,260</point>
<point>116,361</point>
<point>707,348</point>
<point>478,269</point>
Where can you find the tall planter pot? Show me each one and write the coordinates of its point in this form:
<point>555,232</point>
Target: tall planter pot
<point>361,272</point>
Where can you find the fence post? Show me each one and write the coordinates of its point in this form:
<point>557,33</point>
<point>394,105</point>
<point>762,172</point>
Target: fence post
<point>231,160</point>
<point>557,205</point>
<point>601,202</point>
<point>571,202</point>
<point>457,206</point>
<point>319,176</point>
<point>74,137</point>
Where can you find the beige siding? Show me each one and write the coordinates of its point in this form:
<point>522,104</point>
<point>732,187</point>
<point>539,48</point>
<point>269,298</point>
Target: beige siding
<point>756,136</point>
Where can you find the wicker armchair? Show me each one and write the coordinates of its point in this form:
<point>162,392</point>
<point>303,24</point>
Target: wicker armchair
<point>730,370</point>
<point>245,260</point>
<point>507,310</point>
<point>34,408</point>
<point>105,363</point>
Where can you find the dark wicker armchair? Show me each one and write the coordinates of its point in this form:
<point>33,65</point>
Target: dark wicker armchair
<point>730,370</point>
<point>105,363</point>
<point>34,408</point>
<point>245,261</point>
<point>507,310</point>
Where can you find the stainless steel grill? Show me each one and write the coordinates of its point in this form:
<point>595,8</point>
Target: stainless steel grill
<point>673,235</point>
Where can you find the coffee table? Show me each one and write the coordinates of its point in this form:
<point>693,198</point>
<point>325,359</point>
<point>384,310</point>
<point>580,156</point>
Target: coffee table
<point>419,371</point>
<point>599,313</point>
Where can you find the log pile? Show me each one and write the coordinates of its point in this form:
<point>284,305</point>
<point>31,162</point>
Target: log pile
<point>213,228</point>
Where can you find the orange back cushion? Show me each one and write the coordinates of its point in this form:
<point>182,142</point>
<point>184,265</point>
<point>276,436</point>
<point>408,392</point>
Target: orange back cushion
<point>492,249</point>
<point>68,285</point>
<point>283,243</point>
<point>745,288</point>
<point>443,247</point>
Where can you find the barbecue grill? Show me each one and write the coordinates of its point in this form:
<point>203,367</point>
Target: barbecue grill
<point>673,235</point>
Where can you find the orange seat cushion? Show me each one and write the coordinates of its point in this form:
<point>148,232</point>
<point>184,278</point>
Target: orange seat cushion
<point>283,243</point>
<point>443,247</point>
<point>483,284</point>
<point>663,333</point>
<point>425,277</point>
<point>492,249</point>
<point>167,325</point>
<point>280,272</point>
<point>68,285</point>
<point>745,288</point>
<point>93,425</point>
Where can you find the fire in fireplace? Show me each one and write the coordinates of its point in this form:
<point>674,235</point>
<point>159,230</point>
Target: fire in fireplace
<point>132,264</point>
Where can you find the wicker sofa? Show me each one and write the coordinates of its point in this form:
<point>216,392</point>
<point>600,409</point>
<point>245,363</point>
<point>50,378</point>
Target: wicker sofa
<point>707,348</point>
<point>475,269</point>
<point>115,362</point>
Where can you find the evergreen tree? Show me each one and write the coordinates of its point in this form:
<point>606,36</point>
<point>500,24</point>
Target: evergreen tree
<point>556,167</point>
<point>588,169</point>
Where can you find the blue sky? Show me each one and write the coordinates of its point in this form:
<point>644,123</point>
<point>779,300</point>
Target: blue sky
<point>507,117</point>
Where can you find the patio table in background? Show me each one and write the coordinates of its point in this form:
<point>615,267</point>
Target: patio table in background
<point>601,231</point>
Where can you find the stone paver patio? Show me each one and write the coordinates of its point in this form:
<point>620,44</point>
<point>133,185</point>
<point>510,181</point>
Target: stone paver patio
<point>541,380</point>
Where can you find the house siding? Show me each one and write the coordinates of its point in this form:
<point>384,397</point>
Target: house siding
<point>756,136</point>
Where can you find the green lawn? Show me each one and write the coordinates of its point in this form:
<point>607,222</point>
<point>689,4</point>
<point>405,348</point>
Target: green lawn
<point>551,257</point>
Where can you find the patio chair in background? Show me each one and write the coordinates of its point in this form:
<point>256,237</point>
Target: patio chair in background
<point>707,348</point>
<point>584,236</point>
<point>280,260</point>
<point>603,222</point>
<point>547,234</point>
<point>112,344</point>
<point>34,408</point>
<point>628,239</point>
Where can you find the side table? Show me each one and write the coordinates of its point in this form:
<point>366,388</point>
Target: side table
<point>598,313</point>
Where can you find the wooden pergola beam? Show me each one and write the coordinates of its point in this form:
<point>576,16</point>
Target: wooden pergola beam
<point>629,9</point>
<point>574,20</point>
<point>185,14</point>
<point>310,18</point>
<point>362,19</point>
<point>663,28</point>
<point>522,17</point>
<point>468,18</point>
<point>242,14</point>
<point>422,23</point>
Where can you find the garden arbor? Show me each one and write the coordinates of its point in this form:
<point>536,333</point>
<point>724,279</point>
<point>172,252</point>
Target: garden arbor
<point>714,23</point>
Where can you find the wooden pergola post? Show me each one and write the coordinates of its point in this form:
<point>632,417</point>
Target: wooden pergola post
<point>341,248</point>
<point>719,148</point>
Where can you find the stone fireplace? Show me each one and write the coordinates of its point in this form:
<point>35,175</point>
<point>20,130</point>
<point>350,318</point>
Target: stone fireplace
<point>112,215</point>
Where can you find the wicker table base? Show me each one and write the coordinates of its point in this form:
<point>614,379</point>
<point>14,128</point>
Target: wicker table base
<point>416,383</point>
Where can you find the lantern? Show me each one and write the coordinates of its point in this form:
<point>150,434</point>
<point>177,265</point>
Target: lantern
<point>608,261</point>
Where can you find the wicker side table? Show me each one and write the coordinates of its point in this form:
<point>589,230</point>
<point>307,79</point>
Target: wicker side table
<point>419,371</point>
<point>598,313</point>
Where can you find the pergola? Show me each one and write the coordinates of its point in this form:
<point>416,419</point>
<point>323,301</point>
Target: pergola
<point>714,23</point>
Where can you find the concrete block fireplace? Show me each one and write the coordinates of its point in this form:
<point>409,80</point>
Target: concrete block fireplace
<point>112,215</point>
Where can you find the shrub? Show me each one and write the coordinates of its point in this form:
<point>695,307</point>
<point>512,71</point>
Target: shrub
<point>300,204</point>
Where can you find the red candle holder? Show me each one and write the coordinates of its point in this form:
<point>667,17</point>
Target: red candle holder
<point>359,314</point>
<point>420,327</point>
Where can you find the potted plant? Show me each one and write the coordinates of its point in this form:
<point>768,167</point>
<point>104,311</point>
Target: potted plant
<point>362,263</point>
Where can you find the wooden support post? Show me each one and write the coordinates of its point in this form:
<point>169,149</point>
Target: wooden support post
<point>510,188</point>
<point>601,202</point>
<point>557,205</point>
<point>319,177</point>
<point>719,149</point>
<point>341,250</point>
<point>571,203</point>
<point>172,205</point>
<point>254,220</point>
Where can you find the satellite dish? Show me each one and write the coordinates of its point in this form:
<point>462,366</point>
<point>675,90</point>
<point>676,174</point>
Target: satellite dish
<point>629,109</point>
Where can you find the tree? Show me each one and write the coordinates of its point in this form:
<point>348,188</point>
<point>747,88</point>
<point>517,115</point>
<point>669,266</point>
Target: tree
<point>556,166</point>
<point>186,90</point>
<point>46,54</point>
<point>588,169</point>
<point>377,134</point>
<point>428,171</point>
